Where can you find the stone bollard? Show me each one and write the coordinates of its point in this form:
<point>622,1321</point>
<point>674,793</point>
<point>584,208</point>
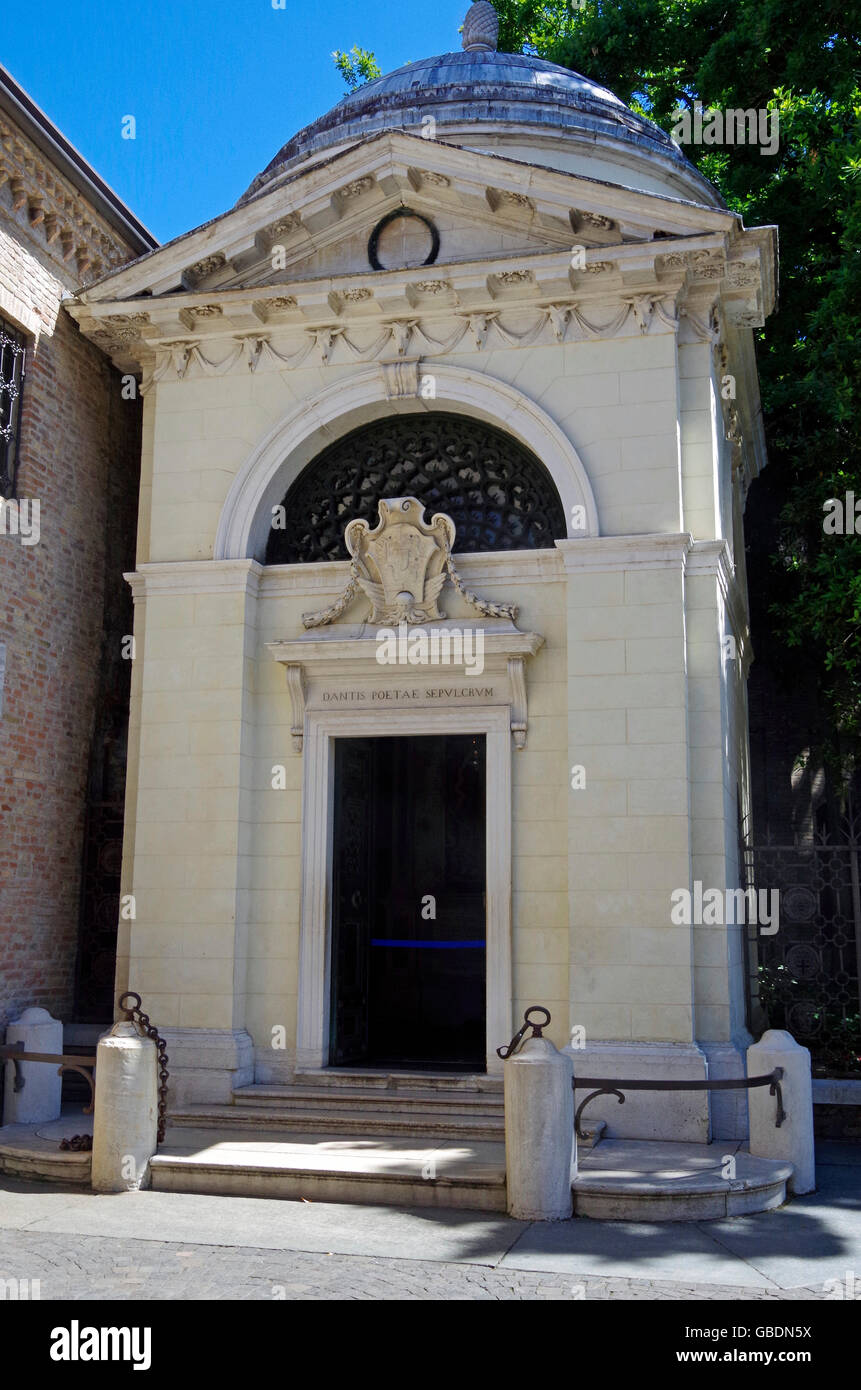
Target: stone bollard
<point>793,1141</point>
<point>125,1121</point>
<point>539,1132</point>
<point>39,1099</point>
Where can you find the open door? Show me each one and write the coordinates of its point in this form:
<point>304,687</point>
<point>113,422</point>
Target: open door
<point>408,910</point>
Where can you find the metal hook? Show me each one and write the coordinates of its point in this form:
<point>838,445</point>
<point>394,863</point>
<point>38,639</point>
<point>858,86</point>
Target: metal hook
<point>537,1030</point>
<point>130,1011</point>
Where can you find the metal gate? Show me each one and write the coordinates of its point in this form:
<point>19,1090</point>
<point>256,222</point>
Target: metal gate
<point>805,978</point>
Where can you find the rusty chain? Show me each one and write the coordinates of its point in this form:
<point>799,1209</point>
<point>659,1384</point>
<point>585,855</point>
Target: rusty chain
<point>135,1014</point>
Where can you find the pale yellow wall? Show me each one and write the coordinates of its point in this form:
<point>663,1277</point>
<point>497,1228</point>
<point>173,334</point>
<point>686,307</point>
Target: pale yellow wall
<point>195,706</point>
<point>628,684</point>
<point>615,399</point>
<point>629,828</point>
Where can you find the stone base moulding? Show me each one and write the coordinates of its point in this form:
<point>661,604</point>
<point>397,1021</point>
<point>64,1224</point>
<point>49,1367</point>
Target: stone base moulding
<point>206,1064</point>
<point>729,1109</point>
<point>680,1116</point>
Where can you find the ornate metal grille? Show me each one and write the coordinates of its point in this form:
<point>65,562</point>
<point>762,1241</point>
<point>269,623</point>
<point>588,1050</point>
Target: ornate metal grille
<point>499,495</point>
<point>11,382</point>
<point>805,978</point>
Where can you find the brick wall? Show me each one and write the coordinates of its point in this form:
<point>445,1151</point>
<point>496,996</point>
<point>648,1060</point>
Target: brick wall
<point>62,614</point>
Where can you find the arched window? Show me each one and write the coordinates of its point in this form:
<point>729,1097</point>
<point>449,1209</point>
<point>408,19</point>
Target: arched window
<point>499,495</point>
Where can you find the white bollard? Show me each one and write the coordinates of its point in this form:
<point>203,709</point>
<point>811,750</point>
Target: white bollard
<point>539,1132</point>
<point>125,1121</point>
<point>39,1099</point>
<point>793,1141</point>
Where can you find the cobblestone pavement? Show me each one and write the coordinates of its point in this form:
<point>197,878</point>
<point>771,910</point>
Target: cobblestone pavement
<point>81,1267</point>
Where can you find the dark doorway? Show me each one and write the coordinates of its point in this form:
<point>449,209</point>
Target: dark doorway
<point>408,903</point>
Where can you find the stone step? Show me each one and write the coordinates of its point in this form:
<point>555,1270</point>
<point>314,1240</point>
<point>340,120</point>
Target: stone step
<point>318,1168</point>
<point>356,1121</point>
<point>620,1180</point>
<point>33,1151</point>
<point>234,1151</point>
<point>371,1078</point>
<point>638,1180</point>
<point>407,1101</point>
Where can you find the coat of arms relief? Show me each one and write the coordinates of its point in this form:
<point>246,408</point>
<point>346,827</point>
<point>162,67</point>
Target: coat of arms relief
<point>401,566</point>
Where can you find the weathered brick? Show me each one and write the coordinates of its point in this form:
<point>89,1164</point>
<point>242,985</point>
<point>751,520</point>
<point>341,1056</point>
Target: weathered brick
<point>61,602</point>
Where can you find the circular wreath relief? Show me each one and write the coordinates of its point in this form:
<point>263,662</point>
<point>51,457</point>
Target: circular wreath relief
<point>384,252</point>
<point>499,495</point>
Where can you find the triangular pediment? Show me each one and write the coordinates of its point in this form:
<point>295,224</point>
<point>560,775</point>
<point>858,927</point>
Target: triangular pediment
<point>323,217</point>
<point>302,254</point>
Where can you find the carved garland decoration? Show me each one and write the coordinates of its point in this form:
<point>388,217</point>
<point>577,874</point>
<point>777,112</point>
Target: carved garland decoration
<point>559,322</point>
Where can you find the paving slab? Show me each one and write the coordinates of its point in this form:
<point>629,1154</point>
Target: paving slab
<point>97,1268</point>
<point>263,1223</point>
<point>811,1240</point>
<point>23,1202</point>
<point>680,1251</point>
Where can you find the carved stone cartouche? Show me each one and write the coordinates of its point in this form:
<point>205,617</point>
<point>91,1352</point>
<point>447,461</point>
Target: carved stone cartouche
<point>401,567</point>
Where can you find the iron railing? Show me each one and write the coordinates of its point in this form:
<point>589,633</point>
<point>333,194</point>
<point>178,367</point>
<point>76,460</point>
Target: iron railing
<point>805,977</point>
<point>614,1086</point>
<point>85,1066</point>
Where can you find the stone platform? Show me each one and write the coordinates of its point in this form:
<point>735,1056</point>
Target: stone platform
<point>380,1170</point>
<point>617,1180</point>
<point>644,1180</point>
<point>33,1151</point>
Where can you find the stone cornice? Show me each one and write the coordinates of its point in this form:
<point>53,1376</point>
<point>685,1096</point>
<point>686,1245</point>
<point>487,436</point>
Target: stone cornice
<point>282,581</point>
<point>61,155</point>
<point>54,212</point>
<point>357,643</point>
<point>477,332</point>
<point>194,577</point>
<point>651,551</point>
<point>616,290</point>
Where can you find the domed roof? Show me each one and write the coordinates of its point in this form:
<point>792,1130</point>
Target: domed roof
<point>500,95</point>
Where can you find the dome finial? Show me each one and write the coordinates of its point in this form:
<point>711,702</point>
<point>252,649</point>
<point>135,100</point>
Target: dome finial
<point>481,28</point>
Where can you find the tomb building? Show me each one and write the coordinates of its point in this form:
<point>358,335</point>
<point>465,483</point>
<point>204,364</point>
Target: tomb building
<point>475,352</point>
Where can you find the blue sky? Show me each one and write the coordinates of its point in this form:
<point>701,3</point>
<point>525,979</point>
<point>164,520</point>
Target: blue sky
<point>215,86</point>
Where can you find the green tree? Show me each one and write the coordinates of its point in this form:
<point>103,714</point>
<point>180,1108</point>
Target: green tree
<point>800,60</point>
<point>356,67</point>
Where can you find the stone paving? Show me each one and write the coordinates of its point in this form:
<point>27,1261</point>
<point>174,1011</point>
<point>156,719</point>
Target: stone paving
<point>166,1245</point>
<point>95,1267</point>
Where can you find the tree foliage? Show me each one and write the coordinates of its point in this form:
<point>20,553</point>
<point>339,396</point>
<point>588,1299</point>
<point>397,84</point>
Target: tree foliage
<point>801,60</point>
<point>356,67</point>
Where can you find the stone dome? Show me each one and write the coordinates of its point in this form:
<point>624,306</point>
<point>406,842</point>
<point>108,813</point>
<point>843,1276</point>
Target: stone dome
<point>508,104</point>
